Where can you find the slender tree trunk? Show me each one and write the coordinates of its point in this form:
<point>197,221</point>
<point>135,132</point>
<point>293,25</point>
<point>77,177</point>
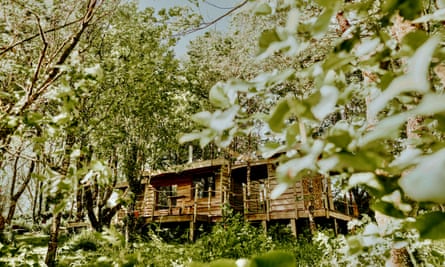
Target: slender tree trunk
<point>35,202</point>
<point>53,241</point>
<point>55,225</point>
<point>79,203</point>
<point>40,202</point>
<point>16,195</point>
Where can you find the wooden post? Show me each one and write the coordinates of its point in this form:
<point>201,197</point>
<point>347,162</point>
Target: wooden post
<point>226,197</point>
<point>245,205</point>
<point>195,204</point>
<point>335,227</point>
<point>264,224</point>
<point>248,170</point>
<point>192,231</point>
<point>295,202</point>
<point>169,204</point>
<point>354,204</point>
<point>153,205</point>
<point>293,227</point>
<point>312,225</point>
<point>209,200</point>
<point>330,198</point>
<point>268,209</point>
<point>325,196</point>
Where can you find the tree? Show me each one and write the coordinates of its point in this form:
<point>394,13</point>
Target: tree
<point>133,109</point>
<point>40,39</point>
<point>402,73</point>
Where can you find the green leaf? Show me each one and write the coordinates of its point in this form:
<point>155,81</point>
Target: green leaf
<point>340,135</point>
<point>361,161</point>
<point>431,104</point>
<point>222,120</point>
<point>203,118</point>
<point>415,79</point>
<point>280,113</point>
<point>408,9</point>
<point>328,100</point>
<point>426,182</point>
<point>266,38</point>
<point>323,21</point>
<point>415,39</point>
<point>368,178</point>
<point>188,137</point>
<point>271,148</point>
<point>388,208</point>
<point>263,9</point>
<point>288,171</point>
<point>218,97</point>
<point>274,259</point>
<point>407,158</point>
<point>431,225</point>
<point>385,129</point>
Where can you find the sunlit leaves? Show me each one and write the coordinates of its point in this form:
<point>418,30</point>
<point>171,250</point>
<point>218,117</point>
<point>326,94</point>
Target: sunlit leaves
<point>279,115</point>
<point>426,182</point>
<point>409,9</point>
<point>375,149</point>
<point>263,9</point>
<point>438,15</point>
<point>415,79</point>
<point>329,95</point>
<point>431,225</point>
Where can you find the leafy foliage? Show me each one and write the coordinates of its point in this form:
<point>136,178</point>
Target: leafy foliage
<point>392,148</point>
<point>232,239</point>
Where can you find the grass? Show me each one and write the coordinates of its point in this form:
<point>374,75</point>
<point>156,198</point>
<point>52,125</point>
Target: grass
<point>38,239</point>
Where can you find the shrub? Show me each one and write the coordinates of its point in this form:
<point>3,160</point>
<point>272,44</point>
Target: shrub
<point>234,238</point>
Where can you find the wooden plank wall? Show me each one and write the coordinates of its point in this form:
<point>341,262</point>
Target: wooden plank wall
<point>209,205</point>
<point>290,200</point>
<point>310,191</point>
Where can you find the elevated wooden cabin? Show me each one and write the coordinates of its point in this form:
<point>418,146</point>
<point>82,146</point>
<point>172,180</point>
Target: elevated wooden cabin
<point>197,193</point>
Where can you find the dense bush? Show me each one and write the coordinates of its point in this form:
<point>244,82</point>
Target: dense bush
<point>233,238</point>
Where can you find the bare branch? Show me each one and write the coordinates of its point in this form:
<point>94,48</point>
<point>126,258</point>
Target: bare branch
<point>41,58</point>
<point>210,23</point>
<point>7,49</point>
<point>71,44</point>
<point>216,6</point>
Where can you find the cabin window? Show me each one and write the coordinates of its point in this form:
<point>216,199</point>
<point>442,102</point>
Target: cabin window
<point>203,185</point>
<point>165,196</point>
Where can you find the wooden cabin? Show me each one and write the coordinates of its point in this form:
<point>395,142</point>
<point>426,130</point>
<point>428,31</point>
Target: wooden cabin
<point>196,194</point>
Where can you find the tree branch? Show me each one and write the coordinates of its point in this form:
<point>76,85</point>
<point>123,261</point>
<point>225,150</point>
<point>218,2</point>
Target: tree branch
<point>41,58</point>
<point>56,70</point>
<point>208,24</point>
<point>7,49</point>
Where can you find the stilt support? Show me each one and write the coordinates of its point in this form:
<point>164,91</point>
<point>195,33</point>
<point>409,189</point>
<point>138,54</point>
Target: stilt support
<point>293,227</point>
<point>264,224</point>
<point>192,231</point>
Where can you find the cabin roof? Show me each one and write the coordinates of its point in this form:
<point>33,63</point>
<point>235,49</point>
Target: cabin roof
<point>195,168</point>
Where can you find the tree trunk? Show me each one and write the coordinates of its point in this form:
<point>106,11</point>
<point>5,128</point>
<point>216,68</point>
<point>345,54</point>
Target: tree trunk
<point>54,231</point>
<point>35,202</point>
<point>50,259</point>
<point>79,202</point>
<point>89,197</point>
<point>16,195</point>
<point>2,223</point>
<point>399,256</point>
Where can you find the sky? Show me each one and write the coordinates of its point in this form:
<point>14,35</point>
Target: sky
<point>209,10</point>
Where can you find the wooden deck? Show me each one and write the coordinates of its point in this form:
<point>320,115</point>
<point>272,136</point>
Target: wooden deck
<point>196,193</point>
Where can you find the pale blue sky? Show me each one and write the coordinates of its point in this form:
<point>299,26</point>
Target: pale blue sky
<point>209,10</point>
